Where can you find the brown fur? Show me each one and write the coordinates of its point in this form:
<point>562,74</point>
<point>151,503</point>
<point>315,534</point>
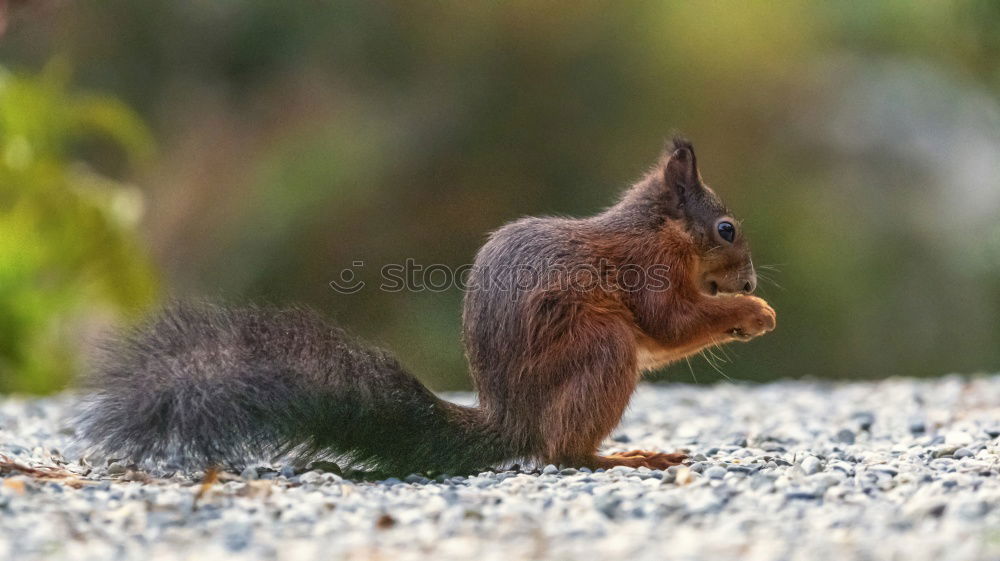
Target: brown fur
<point>555,366</point>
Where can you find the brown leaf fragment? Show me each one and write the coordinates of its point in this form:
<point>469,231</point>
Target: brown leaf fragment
<point>8,466</point>
<point>385,522</point>
<point>211,477</point>
<point>15,484</point>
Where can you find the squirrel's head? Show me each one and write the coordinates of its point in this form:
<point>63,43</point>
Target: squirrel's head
<point>723,252</point>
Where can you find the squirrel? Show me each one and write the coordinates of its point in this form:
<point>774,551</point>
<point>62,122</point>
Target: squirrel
<point>561,317</point>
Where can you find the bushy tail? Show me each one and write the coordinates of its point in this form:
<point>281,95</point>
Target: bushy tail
<point>202,385</point>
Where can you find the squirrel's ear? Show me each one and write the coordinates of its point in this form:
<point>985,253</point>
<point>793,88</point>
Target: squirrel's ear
<point>680,171</point>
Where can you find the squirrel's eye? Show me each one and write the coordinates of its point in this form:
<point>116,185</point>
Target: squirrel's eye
<point>727,231</point>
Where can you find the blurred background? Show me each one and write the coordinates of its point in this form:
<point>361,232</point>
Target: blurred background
<point>251,150</point>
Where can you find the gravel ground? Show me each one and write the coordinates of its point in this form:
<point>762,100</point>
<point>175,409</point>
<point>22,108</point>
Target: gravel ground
<point>900,469</point>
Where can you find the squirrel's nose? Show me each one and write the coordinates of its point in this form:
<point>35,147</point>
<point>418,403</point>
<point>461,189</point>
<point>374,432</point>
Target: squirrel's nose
<point>750,285</point>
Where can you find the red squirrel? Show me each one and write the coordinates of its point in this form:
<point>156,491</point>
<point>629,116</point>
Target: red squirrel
<point>560,319</point>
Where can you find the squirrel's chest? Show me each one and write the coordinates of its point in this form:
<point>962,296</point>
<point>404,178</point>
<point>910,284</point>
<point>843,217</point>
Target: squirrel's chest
<point>651,355</point>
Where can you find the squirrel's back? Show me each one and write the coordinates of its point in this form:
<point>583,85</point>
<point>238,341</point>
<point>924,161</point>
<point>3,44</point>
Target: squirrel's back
<point>203,385</point>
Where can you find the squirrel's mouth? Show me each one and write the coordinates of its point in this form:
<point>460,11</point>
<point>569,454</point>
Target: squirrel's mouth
<point>712,288</point>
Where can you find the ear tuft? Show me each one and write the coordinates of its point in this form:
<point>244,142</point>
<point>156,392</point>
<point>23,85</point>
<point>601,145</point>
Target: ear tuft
<point>680,171</point>
<point>679,144</point>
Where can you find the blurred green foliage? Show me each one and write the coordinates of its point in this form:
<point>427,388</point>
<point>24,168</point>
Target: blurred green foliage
<point>859,141</point>
<point>67,241</point>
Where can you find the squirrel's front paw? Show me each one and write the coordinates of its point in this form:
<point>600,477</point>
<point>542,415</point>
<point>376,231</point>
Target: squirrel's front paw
<point>756,318</point>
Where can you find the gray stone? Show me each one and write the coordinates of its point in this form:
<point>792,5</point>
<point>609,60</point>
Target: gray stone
<point>864,419</point>
<point>945,451</point>
<point>958,438</point>
<point>715,472</point>
<point>312,477</point>
<point>802,495</point>
<point>811,465</point>
<point>416,478</point>
<point>846,436</point>
<point>886,469</point>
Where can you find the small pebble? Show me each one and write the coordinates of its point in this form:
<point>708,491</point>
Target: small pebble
<point>811,465</point>
<point>945,451</point>
<point>846,436</point>
<point>310,477</point>
<point>715,472</point>
<point>958,438</point>
<point>864,419</point>
<point>416,478</point>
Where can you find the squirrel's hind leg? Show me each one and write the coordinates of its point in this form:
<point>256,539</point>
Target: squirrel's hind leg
<point>600,373</point>
<point>588,405</point>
